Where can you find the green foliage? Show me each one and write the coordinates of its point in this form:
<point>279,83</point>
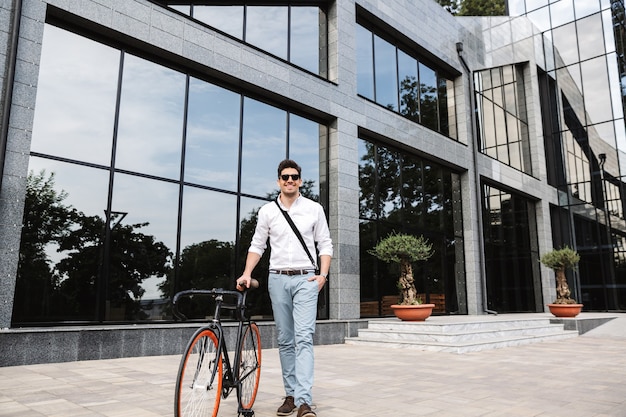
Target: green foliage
<point>474,7</point>
<point>399,247</point>
<point>65,265</point>
<point>563,258</point>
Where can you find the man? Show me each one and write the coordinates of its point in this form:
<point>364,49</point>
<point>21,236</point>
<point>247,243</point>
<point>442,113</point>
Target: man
<point>292,282</point>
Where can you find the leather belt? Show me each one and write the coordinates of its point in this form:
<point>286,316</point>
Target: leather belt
<point>291,272</point>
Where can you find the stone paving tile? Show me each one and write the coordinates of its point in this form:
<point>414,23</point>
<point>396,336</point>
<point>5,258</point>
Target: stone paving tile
<point>580,377</point>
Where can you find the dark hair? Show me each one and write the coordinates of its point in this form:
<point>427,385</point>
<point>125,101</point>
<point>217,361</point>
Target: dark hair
<point>288,163</point>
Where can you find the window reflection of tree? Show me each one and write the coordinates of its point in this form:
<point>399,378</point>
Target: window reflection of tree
<point>68,290</point>
<point>418,102</point>
<point>401,192</point>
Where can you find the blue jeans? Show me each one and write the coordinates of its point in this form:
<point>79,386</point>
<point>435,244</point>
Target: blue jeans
<point>294,302</point>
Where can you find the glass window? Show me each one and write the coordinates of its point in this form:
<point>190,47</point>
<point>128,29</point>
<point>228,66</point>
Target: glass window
<point>566,48</point>
<point>149,138</point>
<point>147,223</point>
<point>305,38</point>
<point>108,250</point>
<point>368,206</point>
<point>294,33</point>
<point>500,125</point>
<point>267,28</point>
<point>562,12</point>
<point>447,104</point>
<point>585,8</point>
<point>228,19</point>
<point>540,18</point>
<point>207,216</point>
<point>414,199</point>
<point>593,44</point>
<point>400,192</point>
<point>264,145</point>
<point>389,184</point>
<point>365,62</point>
<point>386,73</point>
<point>69,123</point>
<point>488,124</point>
<point>503,130</point>
<point>396,84</point>
<point>578,174</point>
<point>511,254</point>
<point>207,239</point>
<point>60,249</point>
<point>595,78</point>
<point>304,148</point>
<point>409,99</point>
<point>515,155</point>
<point>510,98</point>
<point>609,36</point>
<point>433,197</point>
<point>212,143</point>
<point>428,97</point>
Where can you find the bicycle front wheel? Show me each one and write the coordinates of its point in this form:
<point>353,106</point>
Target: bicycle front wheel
<point>199,381</point>
<point>249,366</point>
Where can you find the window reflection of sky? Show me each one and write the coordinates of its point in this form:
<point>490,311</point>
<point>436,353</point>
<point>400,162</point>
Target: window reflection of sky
<point>228,19</point>
<point>386,74</point>
<point>264,145</point>
<point>207,215</point>
<point>212,146</point>
<point>266,27</point>
<point>294,37</point>
<point>304,43</point>
<point>62,104</point>
<point>304,148</point>
<point>151,119</point>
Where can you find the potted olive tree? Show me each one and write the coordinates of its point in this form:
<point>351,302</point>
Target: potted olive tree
<point>560,260</point>
<point>405,249</point>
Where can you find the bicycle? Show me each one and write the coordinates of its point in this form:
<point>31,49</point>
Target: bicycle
<point>205,374</point>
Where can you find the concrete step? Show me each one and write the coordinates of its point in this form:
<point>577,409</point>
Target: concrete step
<point>461,337</point>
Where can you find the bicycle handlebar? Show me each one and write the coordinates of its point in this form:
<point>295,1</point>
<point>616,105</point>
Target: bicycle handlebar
<point>240,295</point>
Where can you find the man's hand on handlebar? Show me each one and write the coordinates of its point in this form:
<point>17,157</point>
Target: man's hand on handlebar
<point>246,281</point>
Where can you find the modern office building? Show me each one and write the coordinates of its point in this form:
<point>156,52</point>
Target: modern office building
<point>139,139</point>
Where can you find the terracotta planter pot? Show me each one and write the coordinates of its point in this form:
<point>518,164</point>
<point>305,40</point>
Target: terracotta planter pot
<point>565,310</point>
<point>419,312</point>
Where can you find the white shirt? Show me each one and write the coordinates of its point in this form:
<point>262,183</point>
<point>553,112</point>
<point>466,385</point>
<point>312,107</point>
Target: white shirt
<point>287,251</point>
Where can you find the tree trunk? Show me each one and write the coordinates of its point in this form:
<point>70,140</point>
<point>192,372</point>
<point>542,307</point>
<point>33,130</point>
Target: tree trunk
<point>407,284</point>
<point>562,289</point>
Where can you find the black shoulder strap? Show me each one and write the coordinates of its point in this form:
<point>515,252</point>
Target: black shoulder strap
<point>297,232</point>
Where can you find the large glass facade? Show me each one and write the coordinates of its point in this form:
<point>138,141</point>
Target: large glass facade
<point>511,252</point>
<point>294,32</point>
<point>501,114</point>
<point>399,80</point>
<point>585,136</point>
<point>136,192</point>
<point>404,193</point>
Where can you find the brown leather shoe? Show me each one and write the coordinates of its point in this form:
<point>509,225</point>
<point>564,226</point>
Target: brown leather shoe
<point>287,408</point>
<point>305,411</point>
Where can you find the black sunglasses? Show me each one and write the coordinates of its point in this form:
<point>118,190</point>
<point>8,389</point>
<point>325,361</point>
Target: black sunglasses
<point>285,177</point>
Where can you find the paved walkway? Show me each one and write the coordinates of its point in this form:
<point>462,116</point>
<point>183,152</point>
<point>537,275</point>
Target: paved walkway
<point>580,377</point>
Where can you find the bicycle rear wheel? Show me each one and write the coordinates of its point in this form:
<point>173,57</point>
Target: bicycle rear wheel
<point>199,381</point>
<point>249,366</point>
